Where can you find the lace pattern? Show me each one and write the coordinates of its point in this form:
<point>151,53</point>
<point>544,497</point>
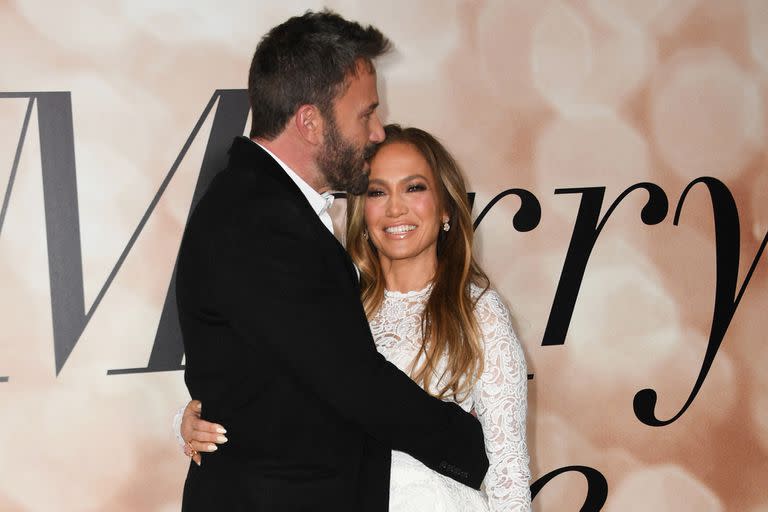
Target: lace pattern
<point>499,397</point>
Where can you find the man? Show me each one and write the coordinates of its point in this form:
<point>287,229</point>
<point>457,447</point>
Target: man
<point>277,343</point>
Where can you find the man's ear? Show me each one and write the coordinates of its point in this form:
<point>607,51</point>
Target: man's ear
<point>309,124</point>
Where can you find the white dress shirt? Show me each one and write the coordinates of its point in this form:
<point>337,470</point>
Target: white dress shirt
<point>319,202</point>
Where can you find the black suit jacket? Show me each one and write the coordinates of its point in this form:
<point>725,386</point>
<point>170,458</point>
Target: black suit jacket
<point>279,350</point>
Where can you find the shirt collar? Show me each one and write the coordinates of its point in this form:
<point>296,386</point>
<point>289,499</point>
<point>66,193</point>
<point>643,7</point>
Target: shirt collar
<point>320,203</point>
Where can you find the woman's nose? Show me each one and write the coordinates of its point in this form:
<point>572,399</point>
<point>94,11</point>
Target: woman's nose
<point>396,206</point>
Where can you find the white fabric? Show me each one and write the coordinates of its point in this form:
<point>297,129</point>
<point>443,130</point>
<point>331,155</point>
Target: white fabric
<point>499,397</point>
<point>177,426</point>
<point>320,203</point>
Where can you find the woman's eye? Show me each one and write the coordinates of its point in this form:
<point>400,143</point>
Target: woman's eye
<point>375,193</point>
<point>417,187</point>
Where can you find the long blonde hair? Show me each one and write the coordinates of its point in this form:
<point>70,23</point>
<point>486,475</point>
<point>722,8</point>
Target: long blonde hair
<point>448,322</point>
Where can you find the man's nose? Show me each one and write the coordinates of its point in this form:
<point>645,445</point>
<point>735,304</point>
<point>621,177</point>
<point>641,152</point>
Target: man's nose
<point>377,130</point>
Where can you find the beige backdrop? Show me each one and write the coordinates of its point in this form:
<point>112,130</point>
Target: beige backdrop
<point>532,94</point>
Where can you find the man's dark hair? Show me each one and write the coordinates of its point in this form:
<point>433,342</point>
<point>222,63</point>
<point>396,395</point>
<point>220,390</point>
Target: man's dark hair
<point>306,61</point>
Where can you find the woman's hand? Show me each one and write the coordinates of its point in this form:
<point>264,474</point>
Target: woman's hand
<point>198,434</point>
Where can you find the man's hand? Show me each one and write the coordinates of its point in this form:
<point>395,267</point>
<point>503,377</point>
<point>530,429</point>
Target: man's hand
<point>199,435</point>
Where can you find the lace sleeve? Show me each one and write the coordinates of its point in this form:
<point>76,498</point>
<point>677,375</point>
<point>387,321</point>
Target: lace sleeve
<point>500,400</point>
<point>176,425</point>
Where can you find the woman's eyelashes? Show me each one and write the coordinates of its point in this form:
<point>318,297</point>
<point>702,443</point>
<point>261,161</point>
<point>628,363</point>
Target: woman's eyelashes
<point>417,187</point>
<point>411,187</point>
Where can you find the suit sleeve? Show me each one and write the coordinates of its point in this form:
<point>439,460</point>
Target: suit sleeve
<point>277,290</point>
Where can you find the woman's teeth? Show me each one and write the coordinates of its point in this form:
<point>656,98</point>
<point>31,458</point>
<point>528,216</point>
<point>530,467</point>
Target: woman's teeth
<point>400,229</point>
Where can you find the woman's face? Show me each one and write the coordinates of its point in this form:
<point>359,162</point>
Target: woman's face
<point>402,207</point>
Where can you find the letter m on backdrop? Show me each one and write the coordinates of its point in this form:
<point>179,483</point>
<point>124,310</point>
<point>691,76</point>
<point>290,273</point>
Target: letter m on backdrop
<point>62,219</point>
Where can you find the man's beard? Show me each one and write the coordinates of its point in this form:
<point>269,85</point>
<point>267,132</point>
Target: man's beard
<point>342,164</point>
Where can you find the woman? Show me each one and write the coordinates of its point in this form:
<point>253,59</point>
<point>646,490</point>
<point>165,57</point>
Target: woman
<point>431,314</point>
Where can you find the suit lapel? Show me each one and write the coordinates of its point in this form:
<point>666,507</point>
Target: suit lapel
<point>245,153</point>
<point>350,266</point>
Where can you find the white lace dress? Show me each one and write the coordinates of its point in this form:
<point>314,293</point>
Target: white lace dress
<point>499,398</point>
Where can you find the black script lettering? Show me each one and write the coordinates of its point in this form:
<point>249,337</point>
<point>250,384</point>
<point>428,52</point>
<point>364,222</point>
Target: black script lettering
<point>14,168</point>
<point>229,122</point>
<point>727,250</point>
<point>57,159</point>
<point>526,218</point>
<point>62,221</point>
<point>585,233</point>
<point>597,486</point>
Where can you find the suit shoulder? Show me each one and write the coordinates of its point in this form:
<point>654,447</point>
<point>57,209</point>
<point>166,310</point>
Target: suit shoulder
<point>241,194</point>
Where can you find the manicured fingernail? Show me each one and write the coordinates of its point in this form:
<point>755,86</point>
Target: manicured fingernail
<point>212,447</point>
<point>221,439</point>
<point>196,462</point>
<point>221,430</point>
<point>199,406</point>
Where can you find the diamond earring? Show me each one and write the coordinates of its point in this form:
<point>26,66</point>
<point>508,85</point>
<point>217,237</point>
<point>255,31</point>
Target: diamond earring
<point>446,226</point>
<point>365,234</point>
